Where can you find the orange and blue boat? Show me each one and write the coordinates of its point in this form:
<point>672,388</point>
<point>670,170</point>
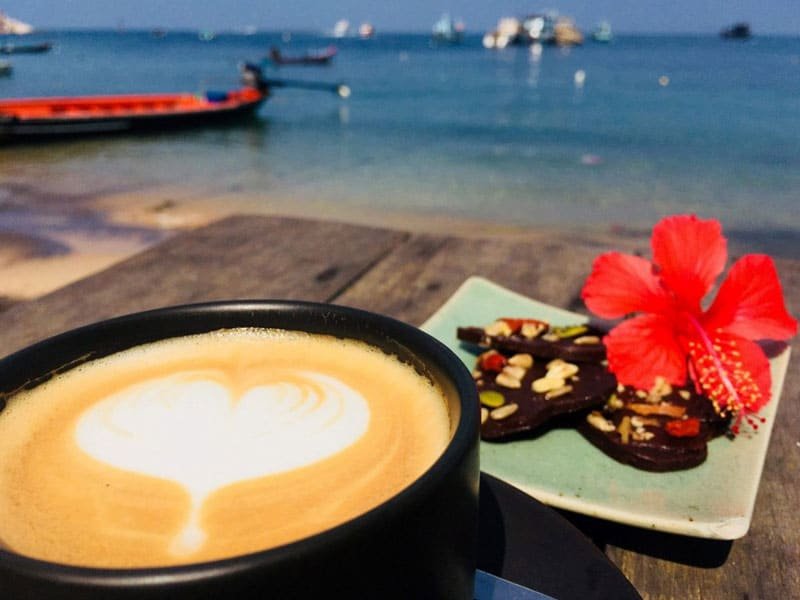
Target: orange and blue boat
<point>41,118</point>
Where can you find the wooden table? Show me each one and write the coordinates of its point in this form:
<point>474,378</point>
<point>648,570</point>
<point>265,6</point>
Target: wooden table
<point>408,276</point>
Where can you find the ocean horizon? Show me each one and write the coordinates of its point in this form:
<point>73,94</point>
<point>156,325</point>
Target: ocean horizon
<point>596,135</point>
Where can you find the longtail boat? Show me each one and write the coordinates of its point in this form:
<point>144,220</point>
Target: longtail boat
<point>319,57</point>
<point>38,118</point>
<point>9,48</point>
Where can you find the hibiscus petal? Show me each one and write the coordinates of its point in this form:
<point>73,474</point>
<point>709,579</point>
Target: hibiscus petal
<point>732,371</point>
<point>620,284</point>
<point>643,348</point>
<point>691,253</point>
<point>750,302</point>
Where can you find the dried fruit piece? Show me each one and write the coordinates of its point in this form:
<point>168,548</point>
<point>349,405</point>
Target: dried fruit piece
<point>492,361</point>
<point>683,427</point>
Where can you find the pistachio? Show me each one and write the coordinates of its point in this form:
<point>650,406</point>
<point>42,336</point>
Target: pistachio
<point>569,331</point>
<point>491,398</point>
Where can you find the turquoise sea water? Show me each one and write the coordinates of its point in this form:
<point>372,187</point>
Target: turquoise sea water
<point>458,130</point>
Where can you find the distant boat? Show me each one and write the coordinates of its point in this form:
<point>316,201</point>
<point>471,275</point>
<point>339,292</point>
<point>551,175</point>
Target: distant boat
<point>566,33</point>
<point>13,26</point>
<point>320,57</point>
<point>549,28</point>
<point>447,30</point>
<point>6,68</point>
<point>341,29</point>
<point>737,31</point>
<point>9,48</point>
<point>40,118</point>
<point>366,31</point>
<point>602,33</point>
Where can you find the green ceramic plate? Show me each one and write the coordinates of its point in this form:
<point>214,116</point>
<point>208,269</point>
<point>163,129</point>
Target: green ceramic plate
<point>560,468</point>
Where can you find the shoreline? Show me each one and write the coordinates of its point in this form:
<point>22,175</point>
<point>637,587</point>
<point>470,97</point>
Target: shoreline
<point>48,241</point>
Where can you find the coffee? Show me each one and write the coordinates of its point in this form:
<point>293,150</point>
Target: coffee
<point>211,446</point>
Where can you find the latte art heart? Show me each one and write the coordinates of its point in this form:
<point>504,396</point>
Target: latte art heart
<point>211,446</point>
<point>189,428</point>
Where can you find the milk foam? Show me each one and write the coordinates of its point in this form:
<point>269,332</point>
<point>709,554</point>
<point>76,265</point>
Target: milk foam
<point>190,429</point>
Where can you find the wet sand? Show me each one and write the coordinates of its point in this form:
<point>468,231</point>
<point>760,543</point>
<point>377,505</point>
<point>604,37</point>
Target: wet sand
<point>49,239</point>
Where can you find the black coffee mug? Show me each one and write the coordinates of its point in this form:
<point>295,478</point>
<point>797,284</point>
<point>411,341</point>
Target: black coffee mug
<point>418,544</point>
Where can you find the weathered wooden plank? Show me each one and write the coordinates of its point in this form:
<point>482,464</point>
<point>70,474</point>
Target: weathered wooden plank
<point>418,276</point>
<point>239,257</point>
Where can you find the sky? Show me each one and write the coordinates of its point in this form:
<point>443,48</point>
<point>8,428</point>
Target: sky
<point>640,16</point>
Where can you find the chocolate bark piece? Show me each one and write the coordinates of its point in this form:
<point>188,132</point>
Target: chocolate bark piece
<point>581,343</point>
<point>655,432</point>
<point>517,400</point>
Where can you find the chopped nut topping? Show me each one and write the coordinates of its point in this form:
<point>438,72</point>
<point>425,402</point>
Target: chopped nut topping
<point>545,384</point>
<point>557,393</point>
<point>532,330</point>
<point>585,340</point>
<point>498,328</point>
<point>476,374</point>
<point>598,421</point>
<point>507,381</point>
<point>614,402</point>
<point>484,415</point>
<point>550,337</point>
<point>643,436</point>
<point>521,360</point>
<point>563,370</point>
<point>514,372</point>
<point>498,414</point>
<point>685,394</point>
<point>661,387</point>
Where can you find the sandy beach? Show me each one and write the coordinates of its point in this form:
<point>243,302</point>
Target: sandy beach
<point>48,240</point>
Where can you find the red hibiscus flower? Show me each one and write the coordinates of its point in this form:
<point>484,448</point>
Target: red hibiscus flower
<point>672,334</point>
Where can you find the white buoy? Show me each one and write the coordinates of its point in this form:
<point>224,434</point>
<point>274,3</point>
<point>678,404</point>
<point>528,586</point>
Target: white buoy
<point>580,78</point>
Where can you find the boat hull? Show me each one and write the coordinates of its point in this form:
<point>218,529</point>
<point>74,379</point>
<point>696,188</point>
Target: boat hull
<point>17,130</point>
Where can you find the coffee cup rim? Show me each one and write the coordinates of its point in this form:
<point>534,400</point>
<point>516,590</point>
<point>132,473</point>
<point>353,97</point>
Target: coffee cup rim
<point>190,316</point>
